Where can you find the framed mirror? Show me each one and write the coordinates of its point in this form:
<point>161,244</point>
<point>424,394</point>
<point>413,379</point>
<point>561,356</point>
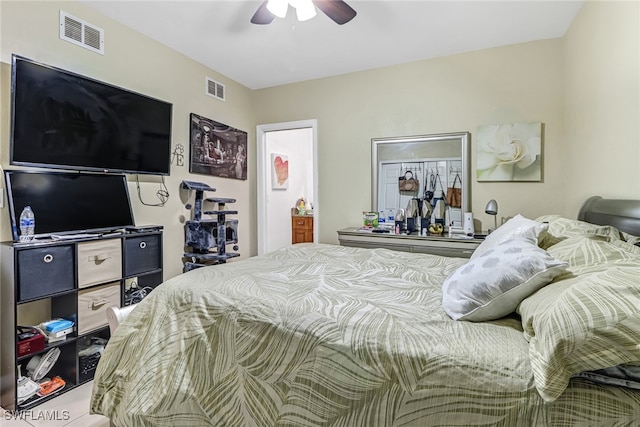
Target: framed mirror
<point>436,161</point>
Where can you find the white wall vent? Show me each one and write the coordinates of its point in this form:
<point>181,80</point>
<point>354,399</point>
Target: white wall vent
<point>81,33</point>
<point>214,88</point>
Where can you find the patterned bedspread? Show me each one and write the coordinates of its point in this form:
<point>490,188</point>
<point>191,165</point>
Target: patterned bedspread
<point>324,335</point>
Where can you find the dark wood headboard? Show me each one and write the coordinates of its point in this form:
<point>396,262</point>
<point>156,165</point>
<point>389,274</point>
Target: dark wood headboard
<point>622,214</point>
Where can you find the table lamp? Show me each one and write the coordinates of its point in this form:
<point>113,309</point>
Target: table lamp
<point>492,209</point>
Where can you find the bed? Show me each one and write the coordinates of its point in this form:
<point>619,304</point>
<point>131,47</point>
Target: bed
<point>325,335</point>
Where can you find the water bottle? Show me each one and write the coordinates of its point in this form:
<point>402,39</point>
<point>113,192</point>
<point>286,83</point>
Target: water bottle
<point>27,224</point>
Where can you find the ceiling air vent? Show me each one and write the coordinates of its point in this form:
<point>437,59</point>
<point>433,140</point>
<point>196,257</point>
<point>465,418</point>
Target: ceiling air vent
<point>214,88</point>
<point>81,33</point>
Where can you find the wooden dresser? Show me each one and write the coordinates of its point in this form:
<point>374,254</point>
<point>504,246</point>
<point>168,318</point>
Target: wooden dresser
<point>301,229</point>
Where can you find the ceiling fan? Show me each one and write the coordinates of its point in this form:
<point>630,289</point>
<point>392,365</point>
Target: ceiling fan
<point>339,11</point>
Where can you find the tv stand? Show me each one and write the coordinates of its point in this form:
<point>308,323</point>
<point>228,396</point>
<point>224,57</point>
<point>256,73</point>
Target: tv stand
<point>76,278</point>
<point>74,236</point>
<point>143,228</point>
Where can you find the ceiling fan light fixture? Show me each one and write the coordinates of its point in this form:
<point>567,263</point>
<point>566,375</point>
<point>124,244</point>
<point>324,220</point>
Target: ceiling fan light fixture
<point>305,9</point>
<point>278,7</point>
<point>337,10</point>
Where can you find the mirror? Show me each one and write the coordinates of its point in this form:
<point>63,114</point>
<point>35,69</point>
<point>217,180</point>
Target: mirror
<point>434,160</point>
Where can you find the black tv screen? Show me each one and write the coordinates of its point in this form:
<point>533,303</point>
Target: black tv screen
<point>64,120</point>
<point>67,202</point>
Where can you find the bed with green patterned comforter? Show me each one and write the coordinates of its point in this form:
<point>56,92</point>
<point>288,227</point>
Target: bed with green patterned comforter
<point>324,335</point>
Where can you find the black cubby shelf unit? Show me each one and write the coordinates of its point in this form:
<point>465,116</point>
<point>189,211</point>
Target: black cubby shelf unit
<point>73,279</point>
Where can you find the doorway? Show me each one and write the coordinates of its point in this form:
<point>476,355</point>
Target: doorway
<point>295,144</point>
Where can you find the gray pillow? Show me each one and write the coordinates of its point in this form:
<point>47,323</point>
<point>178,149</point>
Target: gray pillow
<point>493,284</point>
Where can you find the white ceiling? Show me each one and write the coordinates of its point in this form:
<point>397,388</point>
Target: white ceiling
<point>219,35</point>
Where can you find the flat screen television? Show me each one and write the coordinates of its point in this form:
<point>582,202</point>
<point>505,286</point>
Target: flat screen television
<point>68,202</point>
<point>67,121</point>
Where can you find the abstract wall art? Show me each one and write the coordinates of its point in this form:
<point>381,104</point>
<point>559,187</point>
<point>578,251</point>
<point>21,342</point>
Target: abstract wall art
<point>279,171</point>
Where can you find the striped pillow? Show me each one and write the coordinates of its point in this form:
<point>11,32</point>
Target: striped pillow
<point>561,228</point>
<point>587,320</point>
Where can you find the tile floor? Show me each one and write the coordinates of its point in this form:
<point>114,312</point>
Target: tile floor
<point>71,410</point>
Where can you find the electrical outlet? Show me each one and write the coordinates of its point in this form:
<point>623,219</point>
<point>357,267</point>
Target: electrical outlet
<point>131,283</point>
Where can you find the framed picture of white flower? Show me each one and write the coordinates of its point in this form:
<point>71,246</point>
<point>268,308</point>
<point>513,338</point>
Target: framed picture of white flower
<point>509,152</point>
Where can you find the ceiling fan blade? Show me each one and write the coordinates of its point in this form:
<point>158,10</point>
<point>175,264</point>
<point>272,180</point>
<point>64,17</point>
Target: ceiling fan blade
<point>338,10</point>
<point>262,15</point>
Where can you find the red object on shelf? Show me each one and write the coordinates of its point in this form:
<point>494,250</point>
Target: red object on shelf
<point>29,340</point>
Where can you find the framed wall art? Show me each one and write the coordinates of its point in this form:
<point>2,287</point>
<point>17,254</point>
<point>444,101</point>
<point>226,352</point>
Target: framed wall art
<point>510,152</point>
<point>217,149</point>
<point>279,171</point>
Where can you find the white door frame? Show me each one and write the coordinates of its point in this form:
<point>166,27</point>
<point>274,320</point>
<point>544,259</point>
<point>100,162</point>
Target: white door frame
<point>263,175</point>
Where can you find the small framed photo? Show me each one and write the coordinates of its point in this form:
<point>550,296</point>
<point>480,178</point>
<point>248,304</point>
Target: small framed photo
<point>217,149</point>
<point>279,171</point>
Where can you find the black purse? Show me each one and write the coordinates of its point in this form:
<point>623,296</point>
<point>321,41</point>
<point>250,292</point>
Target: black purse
<point>429,193</point>
<point>436,181</point>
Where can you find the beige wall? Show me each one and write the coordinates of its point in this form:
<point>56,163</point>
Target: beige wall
<point>457,93</point>
<point>583,87</point>
<point>131,60</point>
<point>602,103</point>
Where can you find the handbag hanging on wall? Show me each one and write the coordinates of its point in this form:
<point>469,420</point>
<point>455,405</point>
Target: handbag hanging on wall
<point>437,194</point>
<point>431,190</point>
<point>454,194</point>
<point>408,183</point>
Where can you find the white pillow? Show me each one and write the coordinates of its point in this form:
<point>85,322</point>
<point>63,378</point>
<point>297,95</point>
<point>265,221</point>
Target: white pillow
<point>492,285</point>
<point>518,226</point>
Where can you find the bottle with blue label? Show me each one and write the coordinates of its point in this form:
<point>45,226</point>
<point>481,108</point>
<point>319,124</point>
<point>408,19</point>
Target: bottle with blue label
<point>27,224</point>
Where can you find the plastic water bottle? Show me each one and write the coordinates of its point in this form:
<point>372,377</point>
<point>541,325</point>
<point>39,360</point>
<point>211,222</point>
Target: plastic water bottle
<point>27,224</point>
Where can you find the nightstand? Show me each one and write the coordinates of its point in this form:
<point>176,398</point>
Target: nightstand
<point>301,229</point>
<point>437,245</point>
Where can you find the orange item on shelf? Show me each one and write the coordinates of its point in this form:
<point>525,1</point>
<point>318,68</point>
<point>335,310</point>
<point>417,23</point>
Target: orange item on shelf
<point>49,387</point>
